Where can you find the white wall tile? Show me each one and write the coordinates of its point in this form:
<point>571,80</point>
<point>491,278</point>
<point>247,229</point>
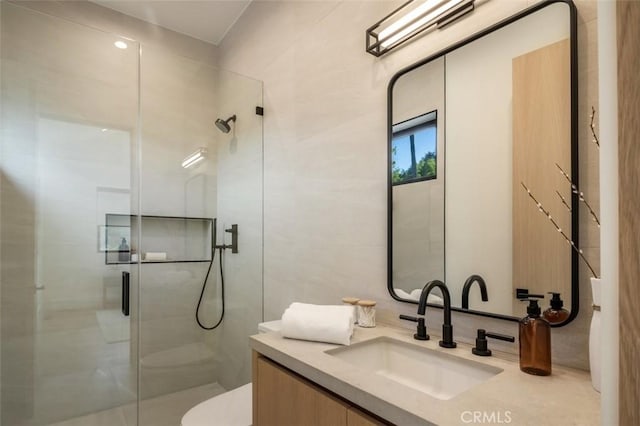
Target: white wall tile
<point>325,150</point>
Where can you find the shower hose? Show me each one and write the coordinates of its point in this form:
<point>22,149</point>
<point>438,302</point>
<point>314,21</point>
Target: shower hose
<point>204,286</point>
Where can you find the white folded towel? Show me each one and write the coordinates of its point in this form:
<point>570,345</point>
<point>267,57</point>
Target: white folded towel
<point>415,295</point>
<point>156,256</point>
<point>331,324</point>
<point>324,308</point>
<point>402,294</point>
<point>432,298</point>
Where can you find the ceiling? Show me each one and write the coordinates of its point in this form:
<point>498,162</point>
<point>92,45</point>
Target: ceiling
<point>205,20</point>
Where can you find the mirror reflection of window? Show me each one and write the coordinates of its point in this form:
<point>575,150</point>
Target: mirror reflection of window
<point>414,149</point>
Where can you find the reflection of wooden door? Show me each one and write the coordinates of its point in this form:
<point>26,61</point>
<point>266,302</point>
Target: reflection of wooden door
<point>541,139</point>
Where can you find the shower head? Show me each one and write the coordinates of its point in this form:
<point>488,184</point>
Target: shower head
<point>223,125</point>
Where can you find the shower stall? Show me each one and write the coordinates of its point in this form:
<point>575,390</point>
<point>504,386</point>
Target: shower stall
<point>107,231</point>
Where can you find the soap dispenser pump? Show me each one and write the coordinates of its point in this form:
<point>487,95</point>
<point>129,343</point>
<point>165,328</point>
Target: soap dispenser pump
<point>535,342</point>
<point>555,314</point>
<point>124,255</point>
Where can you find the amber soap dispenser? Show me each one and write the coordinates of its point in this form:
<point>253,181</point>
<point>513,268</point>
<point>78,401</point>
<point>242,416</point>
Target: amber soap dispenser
<point>556,314</point>
<point>535,342</point>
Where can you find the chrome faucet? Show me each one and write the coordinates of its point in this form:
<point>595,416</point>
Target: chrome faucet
<point>447,328</point>
<point>467,286</point>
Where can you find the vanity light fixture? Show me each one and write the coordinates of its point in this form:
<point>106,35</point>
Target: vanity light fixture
<point>194,158</point>
<point>411,19</point>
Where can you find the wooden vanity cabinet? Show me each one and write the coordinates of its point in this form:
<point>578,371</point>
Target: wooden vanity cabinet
<point>283,398</point>
<point>356,417</point>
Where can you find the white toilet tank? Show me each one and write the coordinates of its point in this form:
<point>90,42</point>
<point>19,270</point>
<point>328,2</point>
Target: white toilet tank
<point>231,408</point>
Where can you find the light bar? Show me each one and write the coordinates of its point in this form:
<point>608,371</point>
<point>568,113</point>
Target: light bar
<point>194,158</point>
<point>410,20</point>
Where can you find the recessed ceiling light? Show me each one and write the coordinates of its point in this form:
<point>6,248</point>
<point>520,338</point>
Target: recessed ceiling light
<point>120,44</point>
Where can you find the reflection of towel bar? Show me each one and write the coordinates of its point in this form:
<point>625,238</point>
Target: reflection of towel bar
<point>125,293</point>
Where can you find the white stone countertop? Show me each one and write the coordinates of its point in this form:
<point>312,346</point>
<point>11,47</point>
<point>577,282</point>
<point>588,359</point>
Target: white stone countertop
<point>511,397</point>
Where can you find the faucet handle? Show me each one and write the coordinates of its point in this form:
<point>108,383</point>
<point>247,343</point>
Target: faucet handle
<point>421,332</point>
<point>481,348</point>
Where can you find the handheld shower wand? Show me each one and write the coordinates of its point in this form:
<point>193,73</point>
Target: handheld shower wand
<point>234,249</point>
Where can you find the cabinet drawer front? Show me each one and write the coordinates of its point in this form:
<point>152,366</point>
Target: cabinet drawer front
<point>285,399</point>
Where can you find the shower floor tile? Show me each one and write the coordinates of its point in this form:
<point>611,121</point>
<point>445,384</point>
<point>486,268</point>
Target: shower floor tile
<point>165,410</point>
<point>113,417</point>
<point>60,397</point>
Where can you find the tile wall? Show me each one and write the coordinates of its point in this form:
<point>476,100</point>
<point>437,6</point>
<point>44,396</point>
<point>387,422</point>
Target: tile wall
<point>325,151</point>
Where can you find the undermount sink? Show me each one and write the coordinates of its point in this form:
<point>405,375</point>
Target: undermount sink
<point>434,373</point>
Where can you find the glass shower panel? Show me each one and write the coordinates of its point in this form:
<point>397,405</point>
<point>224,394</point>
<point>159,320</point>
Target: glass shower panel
<point>240,201</point>
<point>194,178</point>
<point>68,155</point>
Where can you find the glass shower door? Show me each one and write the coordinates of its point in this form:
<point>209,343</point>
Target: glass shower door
<point>193,173</point>
<point>67,160</point>
<point>81,216</point>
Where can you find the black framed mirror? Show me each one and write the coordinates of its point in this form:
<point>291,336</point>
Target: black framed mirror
<point>475,133</point>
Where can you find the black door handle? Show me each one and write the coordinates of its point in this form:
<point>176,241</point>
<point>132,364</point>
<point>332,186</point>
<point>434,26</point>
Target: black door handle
<point>125,293</point>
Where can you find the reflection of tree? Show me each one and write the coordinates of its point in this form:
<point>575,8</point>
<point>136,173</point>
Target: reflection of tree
<point>427,165</point>
<point>396,173</point>
<point>425,168</point>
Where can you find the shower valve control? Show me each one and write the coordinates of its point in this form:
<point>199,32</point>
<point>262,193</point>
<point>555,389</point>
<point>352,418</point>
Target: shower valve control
<point>234,238</point>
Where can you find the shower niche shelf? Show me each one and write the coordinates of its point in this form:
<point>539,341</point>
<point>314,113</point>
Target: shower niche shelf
<point>183,239</point>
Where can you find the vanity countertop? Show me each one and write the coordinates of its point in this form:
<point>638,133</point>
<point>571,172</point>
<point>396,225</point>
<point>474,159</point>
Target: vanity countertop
<point>566,397</point>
